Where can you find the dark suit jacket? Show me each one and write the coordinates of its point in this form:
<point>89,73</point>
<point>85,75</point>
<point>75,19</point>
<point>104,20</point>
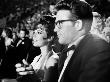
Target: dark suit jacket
<point>90,62</point>
<point>22,50</point>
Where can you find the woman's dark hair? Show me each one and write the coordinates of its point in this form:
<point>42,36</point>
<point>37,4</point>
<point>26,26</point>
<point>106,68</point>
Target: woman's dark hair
<point>48,22</point>
<point>8,32</point>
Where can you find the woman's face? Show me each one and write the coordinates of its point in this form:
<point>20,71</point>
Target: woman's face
<point>40,36</point>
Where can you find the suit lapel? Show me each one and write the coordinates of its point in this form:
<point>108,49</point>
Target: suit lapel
<point>77,52</point>
<point>80,45</point>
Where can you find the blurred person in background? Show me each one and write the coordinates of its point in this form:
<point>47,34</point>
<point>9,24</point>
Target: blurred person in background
<point>23,45</point>
<point>15,38</point>
<point>97,26</point>
<point>52,9</point>
<point>30,34</point>
<point>106,30</point>
<point>7,67</point>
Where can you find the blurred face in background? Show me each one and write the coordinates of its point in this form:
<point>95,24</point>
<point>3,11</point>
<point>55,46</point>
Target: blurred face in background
<point>107,28</point>
<point>22,34</point>
<point>30,34</point>
<point>97,23</point>
<point>107,22</point>
<point>51,8</point>
<point>4,34</point>
<point>106,31</point>
<point>40,36</point>
<point>14,35</point>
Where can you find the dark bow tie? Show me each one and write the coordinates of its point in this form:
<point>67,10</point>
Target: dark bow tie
<point>68,49</point>
<point>63,56</point>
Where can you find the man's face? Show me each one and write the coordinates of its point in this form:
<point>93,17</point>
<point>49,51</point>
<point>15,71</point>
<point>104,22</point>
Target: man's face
<point>51,8</point>
<point>22,34</point>
<point>65,28</point>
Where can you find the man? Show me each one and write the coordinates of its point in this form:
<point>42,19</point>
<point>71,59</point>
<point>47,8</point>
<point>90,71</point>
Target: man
<point>106,30</point>
<point>97,25</point>
<point>52,9</point>
<point>23,46</point>
<point>89,60</point>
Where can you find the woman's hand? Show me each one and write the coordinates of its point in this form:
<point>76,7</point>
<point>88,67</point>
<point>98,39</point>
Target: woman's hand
<point>24,69</point>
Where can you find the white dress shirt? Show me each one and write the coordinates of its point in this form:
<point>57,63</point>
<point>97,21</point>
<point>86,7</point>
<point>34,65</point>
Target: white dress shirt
<point>69,55</point>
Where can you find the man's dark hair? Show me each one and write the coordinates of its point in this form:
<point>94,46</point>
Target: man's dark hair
<point>79,8</point>
<point>25,30</point>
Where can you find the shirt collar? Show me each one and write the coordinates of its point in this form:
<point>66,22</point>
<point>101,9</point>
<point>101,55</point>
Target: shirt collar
<point>77,41</point>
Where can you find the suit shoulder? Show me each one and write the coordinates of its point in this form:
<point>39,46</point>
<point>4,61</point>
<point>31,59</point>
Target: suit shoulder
<point>99,43</point>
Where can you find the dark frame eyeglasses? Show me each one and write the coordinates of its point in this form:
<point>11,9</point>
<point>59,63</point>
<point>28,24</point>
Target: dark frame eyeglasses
<point>59,22</point>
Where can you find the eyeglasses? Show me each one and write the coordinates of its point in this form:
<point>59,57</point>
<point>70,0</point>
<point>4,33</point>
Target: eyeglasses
<point>59,22</point>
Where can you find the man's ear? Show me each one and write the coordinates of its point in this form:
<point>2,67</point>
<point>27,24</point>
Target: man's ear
<point>78,25</point>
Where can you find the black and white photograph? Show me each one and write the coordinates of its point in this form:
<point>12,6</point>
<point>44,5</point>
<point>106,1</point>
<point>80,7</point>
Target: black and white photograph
<point>54,40</point>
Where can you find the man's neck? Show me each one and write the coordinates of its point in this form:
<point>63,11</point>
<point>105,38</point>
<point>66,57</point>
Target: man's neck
<point>76,42</point>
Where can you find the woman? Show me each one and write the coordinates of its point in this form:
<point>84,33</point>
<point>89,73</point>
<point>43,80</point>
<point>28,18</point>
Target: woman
<point>44,66</point>
<point>7,68</point>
